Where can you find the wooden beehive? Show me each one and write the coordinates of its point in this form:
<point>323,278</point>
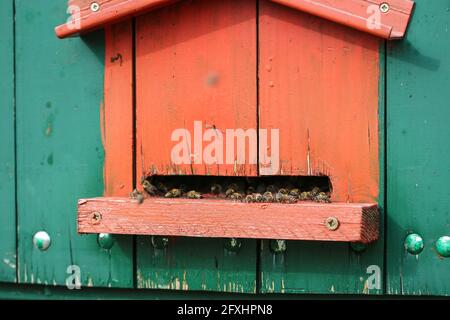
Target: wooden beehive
<point>241,64</point>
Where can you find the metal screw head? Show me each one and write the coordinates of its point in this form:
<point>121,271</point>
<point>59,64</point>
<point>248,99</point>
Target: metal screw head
<point>384,7</point>
<point>233,244</point>
<point>278,246</point>
<point>332,223</point>
<point>95,7</point>
<point>41,240</point>
<point>159,242</point>
<point>443,246</point>
<point>414,243</point>
<point>96,218</point>
<point>105,240</point>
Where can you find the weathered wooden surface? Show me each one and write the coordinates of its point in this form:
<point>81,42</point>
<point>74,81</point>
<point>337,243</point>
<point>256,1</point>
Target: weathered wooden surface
<point>196,62</point>
<point>227,219</point>
<point>7,153</point>
<point>418,171</point>
<point>60,153</point>
<point>354,13</point>
<point>196,264</point>
<point>325,77</point>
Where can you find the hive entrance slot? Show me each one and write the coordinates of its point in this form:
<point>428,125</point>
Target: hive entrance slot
<point>279,189</point>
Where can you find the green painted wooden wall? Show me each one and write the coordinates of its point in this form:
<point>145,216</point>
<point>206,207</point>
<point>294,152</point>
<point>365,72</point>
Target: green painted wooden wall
<point>59,93</point>
<point>54,129</point>
<point>418,156</point>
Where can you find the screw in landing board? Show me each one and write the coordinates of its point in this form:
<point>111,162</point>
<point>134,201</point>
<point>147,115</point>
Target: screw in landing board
<point>332,223</point>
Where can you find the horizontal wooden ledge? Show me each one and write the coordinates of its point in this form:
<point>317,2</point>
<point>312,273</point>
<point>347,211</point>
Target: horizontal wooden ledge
<point>359,14</point>
<point>213,218</point>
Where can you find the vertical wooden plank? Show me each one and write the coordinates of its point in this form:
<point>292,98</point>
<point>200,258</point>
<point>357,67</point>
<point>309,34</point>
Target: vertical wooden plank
<point>319,86</point>
<point>327,80</point>
<point>194,264</point>
<point>196,61</point>
<point>117,114</point>
<point>60,154</point>
<point>7,150</point>
<point>418,171</point>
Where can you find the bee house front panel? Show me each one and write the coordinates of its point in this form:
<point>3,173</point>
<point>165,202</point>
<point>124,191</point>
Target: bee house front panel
<point>215,90</point>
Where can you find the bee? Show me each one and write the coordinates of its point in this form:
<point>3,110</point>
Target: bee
<point>281,197</point>
<point>229,192</point>
<point>271,188</point>
<point>314,192</point>
<point>136,195</point>
<point>322,197</point>
<point>174,193</point>
<point>295,193</point>
<point>304,196</point>
<point>250,198</point>
<point>291,199</point>
<point>268,197</point>
<point>216,189</point>
<point>283,191</point>
<point>194,195</point>
<point>236,196</point>
<point>150,188</point>
<point>258,197</point>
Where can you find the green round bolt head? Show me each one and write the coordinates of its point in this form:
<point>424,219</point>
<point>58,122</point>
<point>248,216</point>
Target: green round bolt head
<point>159,242</point>
<point>358,247</point>
<point>414,243</point>
<point>233,244</point>
<point>41,240</point>
<point>278,246</point>
<point>443,246</point>
<point>105,240</point>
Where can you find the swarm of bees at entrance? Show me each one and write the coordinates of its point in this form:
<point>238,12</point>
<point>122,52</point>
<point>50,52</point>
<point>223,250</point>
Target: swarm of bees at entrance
<point>239,192</point>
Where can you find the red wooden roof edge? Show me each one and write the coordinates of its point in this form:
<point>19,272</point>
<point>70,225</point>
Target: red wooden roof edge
<point>383,18</point>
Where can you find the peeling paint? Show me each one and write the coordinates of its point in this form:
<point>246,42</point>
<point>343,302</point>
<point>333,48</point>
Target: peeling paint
<point>9,263</point>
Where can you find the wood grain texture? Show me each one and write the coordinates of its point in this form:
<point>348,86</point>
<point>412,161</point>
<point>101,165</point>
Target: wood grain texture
<point>196,61</point>
<point>226,219</point>
<point>354,13</point>
<point>117,112</point>
<point>319,85</point>
<point>7,150</point>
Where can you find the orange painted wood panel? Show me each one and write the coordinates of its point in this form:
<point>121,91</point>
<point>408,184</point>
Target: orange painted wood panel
<point>196,61</point>
<point>117,112</point>
<point>319,85</point>
<point>227,219</point>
